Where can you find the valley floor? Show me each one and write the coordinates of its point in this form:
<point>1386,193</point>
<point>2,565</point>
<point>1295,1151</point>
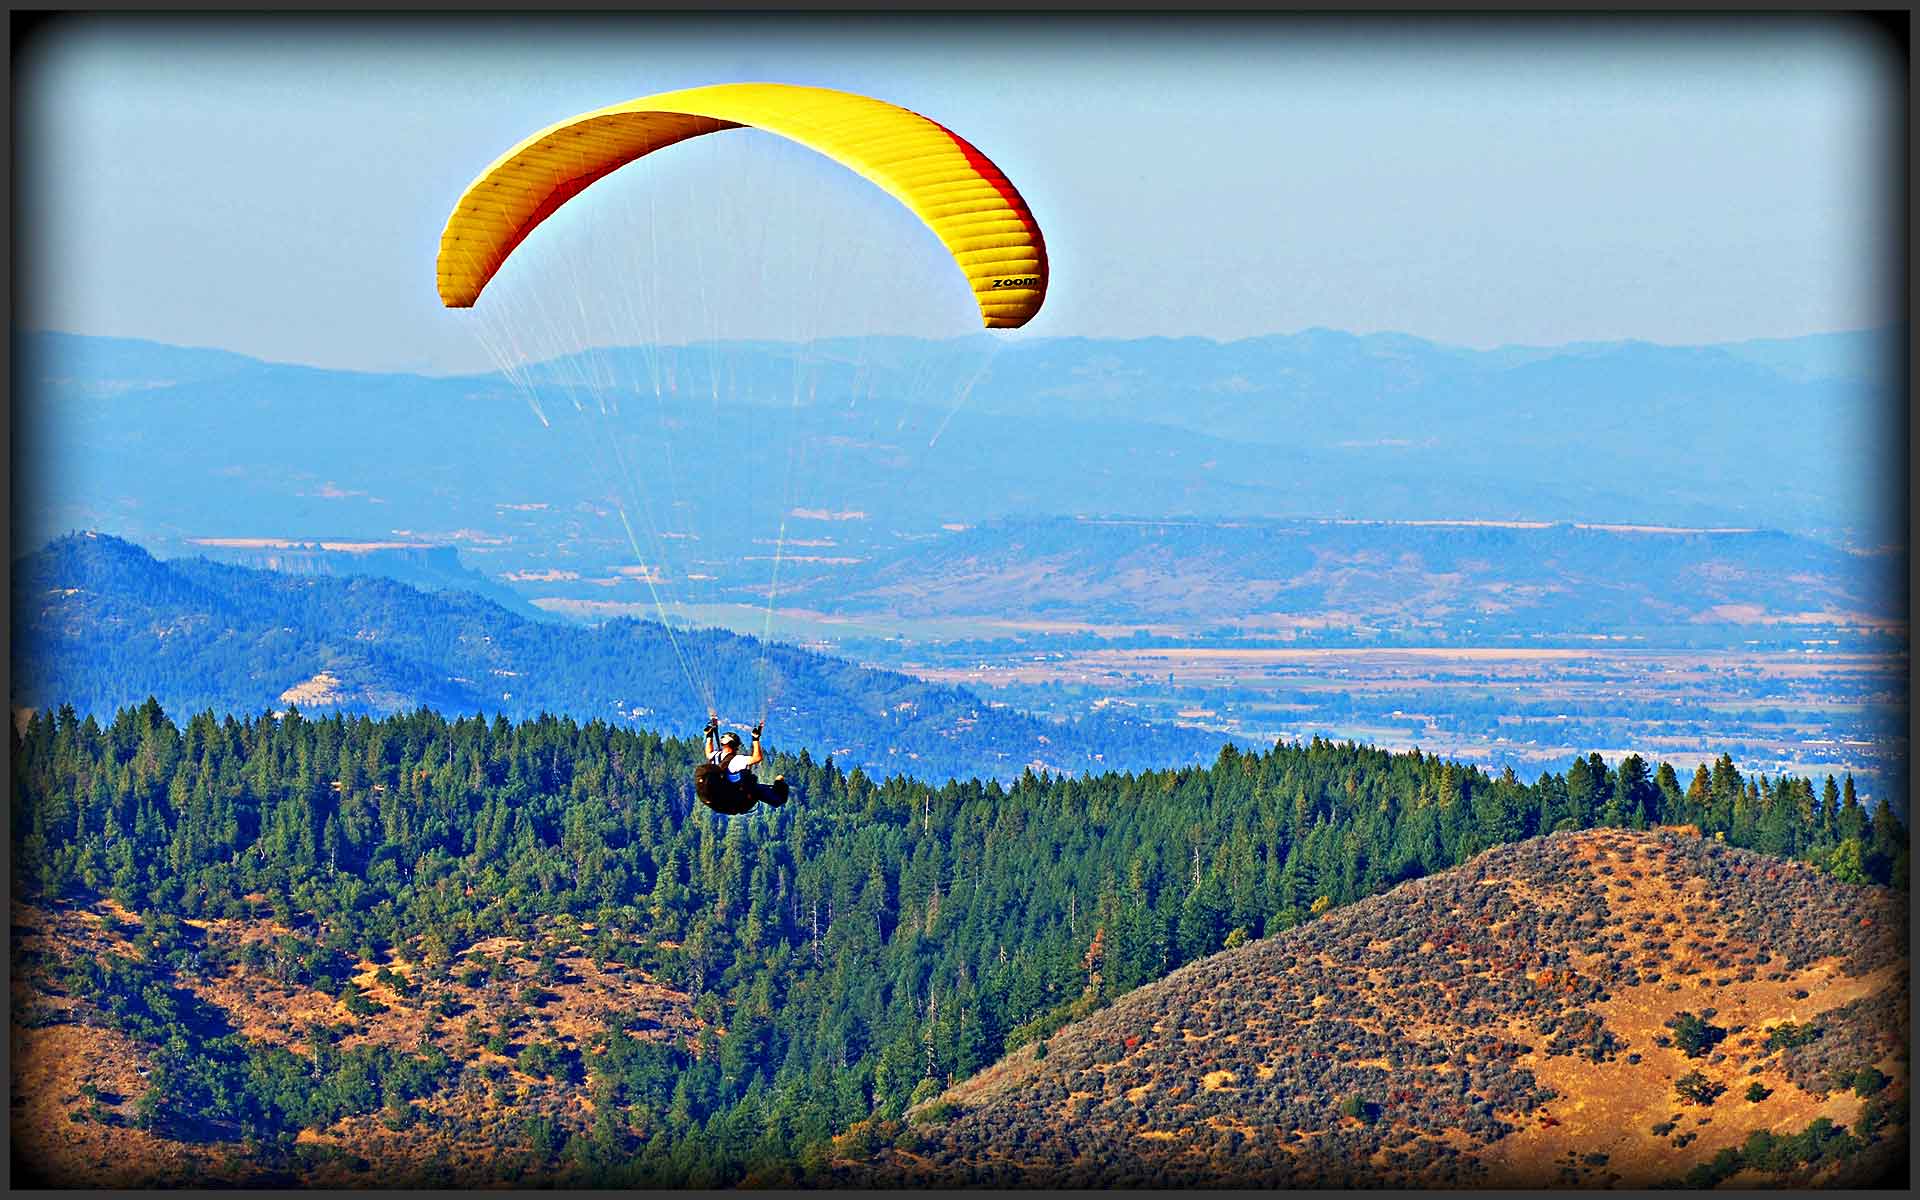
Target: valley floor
<point>1812,712</point>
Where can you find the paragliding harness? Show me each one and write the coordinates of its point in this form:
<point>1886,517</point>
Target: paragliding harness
<point>733,792</point>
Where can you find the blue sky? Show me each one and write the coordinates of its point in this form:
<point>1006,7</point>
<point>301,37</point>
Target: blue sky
<point>277,187</point>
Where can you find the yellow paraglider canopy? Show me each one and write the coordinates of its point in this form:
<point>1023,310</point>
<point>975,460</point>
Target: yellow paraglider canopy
<point>959,194</point>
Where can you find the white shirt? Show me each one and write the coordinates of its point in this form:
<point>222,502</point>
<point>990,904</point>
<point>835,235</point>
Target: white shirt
<point>739,762</point>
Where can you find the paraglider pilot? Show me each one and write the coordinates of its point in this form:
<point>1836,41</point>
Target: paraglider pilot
<point>725,782</point>
<point>725,751</point>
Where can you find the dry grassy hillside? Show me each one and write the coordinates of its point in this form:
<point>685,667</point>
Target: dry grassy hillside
<point>1518,1021</point>
<point>548,985</point>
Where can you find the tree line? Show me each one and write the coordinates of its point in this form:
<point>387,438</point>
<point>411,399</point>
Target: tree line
<point>861,947</point>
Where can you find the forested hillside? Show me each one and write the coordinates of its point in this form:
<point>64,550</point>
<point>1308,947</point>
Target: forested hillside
<point>100,624</point>
<point>1600,1008</point>
<point>844,955</point>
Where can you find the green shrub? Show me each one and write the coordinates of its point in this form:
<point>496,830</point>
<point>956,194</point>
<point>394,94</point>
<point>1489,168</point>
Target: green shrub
<point>1868,1080</point>
<point>1697,1088</point>
<point>401,985</point>
<point>926,1089</point>
<point>1045,1025</point>
<point>1694,1034</point>
<point>1786,1035</point>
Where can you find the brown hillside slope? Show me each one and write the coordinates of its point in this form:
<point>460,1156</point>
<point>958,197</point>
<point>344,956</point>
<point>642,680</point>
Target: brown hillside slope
<point>1502,1024</point>
<point>64,1136</point>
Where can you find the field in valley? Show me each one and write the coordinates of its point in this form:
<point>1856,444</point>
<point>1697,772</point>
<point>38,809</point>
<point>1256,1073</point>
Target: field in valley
<point>1823,707</point>
<point>1814,712</point>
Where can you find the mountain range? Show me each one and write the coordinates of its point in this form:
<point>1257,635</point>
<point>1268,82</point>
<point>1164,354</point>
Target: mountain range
<point>869,443</point>
<point>100,624</point>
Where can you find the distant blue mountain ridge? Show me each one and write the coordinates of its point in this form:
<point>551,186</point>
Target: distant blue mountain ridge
<point>166,444</point>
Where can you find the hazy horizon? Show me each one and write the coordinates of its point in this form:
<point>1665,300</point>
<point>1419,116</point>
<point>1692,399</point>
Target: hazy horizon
<point>279,188</point>
<point>485,370</point>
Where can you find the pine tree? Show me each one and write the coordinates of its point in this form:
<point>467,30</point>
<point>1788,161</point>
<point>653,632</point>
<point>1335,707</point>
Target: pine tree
<point>1852,822</point>
<point>1827,825</point>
